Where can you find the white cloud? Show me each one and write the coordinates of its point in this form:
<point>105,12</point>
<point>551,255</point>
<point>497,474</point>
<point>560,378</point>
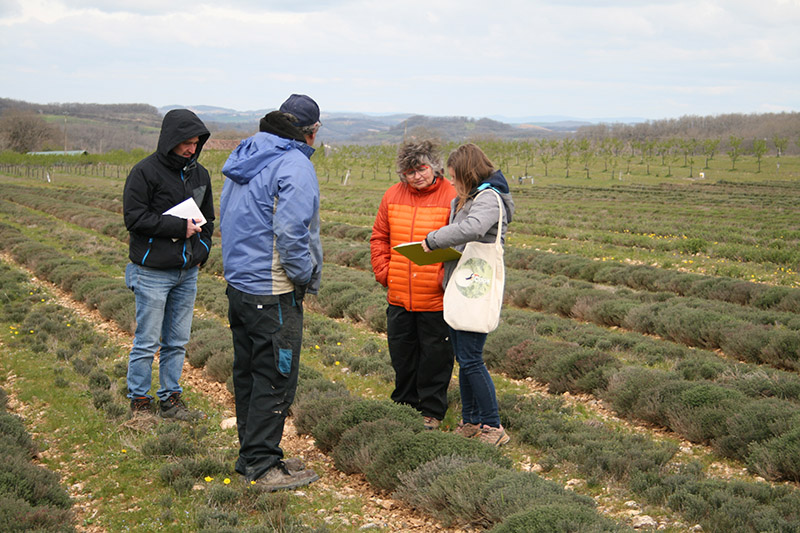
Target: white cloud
<point>516,57</point>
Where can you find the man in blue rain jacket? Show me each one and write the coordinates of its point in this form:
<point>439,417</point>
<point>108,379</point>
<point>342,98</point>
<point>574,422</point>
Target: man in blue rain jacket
<point>272,256</point>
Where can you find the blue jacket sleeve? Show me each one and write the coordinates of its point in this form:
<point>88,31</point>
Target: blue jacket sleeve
<point>296,224</point>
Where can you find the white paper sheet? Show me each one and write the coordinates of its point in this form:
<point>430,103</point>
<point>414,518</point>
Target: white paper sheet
<point>186,210</point>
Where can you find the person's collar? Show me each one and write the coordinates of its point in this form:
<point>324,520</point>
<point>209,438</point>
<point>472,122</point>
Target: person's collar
<point>276,123</point>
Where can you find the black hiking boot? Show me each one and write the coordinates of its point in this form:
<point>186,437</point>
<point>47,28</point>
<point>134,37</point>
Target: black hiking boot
<point>175,408</point>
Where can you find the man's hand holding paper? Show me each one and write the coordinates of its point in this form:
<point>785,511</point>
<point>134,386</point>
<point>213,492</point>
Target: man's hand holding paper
<point>189,210</point>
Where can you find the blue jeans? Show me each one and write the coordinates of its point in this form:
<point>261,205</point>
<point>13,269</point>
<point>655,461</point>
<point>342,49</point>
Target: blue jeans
<point>164,308</point>
<point>478,397</point>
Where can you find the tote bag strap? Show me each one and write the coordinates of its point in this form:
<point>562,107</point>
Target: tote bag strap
<point>486,187</point>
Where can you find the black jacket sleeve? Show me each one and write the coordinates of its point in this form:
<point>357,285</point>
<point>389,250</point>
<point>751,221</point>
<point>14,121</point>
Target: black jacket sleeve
<point>137,200</point>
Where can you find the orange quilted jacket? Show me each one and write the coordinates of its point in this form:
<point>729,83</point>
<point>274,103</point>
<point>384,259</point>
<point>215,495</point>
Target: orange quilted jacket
<point>405,215</point>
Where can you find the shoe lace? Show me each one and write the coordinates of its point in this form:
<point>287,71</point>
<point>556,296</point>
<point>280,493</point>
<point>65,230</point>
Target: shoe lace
<point>141,403</point>
<point>175,401</point>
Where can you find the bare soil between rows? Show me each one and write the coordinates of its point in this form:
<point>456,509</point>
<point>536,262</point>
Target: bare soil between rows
<point>377,508</point>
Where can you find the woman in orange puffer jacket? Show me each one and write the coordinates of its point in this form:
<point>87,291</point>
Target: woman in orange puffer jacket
<point>417,334</point>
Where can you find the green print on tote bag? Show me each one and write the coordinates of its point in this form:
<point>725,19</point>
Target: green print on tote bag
<point>474,292</point>
<point>473,278</point>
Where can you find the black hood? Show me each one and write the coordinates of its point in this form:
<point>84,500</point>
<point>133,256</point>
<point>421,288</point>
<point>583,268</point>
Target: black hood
<point>179,125</point>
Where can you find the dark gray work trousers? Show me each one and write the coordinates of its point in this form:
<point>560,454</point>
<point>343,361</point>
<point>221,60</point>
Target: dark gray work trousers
<point>422,358</point>
<point>267,338</point>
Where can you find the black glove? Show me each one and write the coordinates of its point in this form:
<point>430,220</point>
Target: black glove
<point>300,291</point>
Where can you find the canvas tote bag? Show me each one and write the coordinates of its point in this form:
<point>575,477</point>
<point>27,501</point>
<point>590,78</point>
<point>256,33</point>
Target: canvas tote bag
<point>474,293</point>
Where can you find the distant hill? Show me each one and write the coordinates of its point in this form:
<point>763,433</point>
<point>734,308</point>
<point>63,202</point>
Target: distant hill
<point>457,129</point>
<point>362,128</point>
<point>97,128</point>
<point>221,115</point>
<point>144,114</point>
<point>106,127</point>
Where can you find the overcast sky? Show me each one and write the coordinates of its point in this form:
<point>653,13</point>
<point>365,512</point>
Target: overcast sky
<point>579,58</point>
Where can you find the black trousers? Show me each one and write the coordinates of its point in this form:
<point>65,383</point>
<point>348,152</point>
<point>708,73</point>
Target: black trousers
<point>422,358</point>
<point>267,338</point>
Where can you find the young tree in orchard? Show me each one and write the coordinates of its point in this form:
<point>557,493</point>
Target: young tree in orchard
<point>648,152</point>
<point>780,144</point>
<point>629,154</point>
<point>663,149</point>
<point>638,145</point>
<point>688,147</point>
<point>735,150</point>
<point>691,164</point>
<point>546,152</point>
<point>673,156</point>
<point>607,151</point>
<point>616,146</point>
<point>759,149</point>
<point>568,147</point>
<point>22,131</point>
<point>709,147</point>
<point>586,154</point>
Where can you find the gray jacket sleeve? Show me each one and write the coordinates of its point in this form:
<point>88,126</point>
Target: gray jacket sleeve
<point>474,222</point>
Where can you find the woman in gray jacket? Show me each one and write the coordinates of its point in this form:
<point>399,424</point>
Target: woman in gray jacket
<point>474,217</point>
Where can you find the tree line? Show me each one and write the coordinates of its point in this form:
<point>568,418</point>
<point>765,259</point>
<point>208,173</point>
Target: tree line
<point>776,128</point>
<point>100,128</point>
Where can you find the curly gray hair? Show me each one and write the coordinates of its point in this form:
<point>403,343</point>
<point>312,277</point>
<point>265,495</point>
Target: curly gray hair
<point>412,154</point>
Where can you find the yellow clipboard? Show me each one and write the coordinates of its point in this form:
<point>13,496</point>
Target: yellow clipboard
<point>414,251</point>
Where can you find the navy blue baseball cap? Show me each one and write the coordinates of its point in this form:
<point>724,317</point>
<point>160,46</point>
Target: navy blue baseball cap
<point>303,107</point>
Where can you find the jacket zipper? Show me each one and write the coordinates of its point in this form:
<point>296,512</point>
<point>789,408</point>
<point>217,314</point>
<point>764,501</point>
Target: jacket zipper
<point>149,245</point>
<point>410,237</point>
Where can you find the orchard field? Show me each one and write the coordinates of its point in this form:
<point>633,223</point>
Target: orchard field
<point>647,359</point>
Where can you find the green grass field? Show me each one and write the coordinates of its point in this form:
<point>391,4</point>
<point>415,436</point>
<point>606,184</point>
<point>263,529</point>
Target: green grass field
<point>620,276</point>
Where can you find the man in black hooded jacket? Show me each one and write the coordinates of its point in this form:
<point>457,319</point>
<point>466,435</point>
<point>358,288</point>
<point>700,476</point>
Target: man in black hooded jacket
<point>165,253</point>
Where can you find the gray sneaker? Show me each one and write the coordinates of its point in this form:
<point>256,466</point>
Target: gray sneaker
<point>175,408</point>
<point>280,477</point>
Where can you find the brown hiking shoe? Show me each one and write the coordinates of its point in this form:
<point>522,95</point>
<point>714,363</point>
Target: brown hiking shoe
<point>494,436</point>
<point>174,407</point>
<point>467,430</point>
<point>294,464</point>
<point>280,477</point>
<point>431,423</point>
<point>141,405</point>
